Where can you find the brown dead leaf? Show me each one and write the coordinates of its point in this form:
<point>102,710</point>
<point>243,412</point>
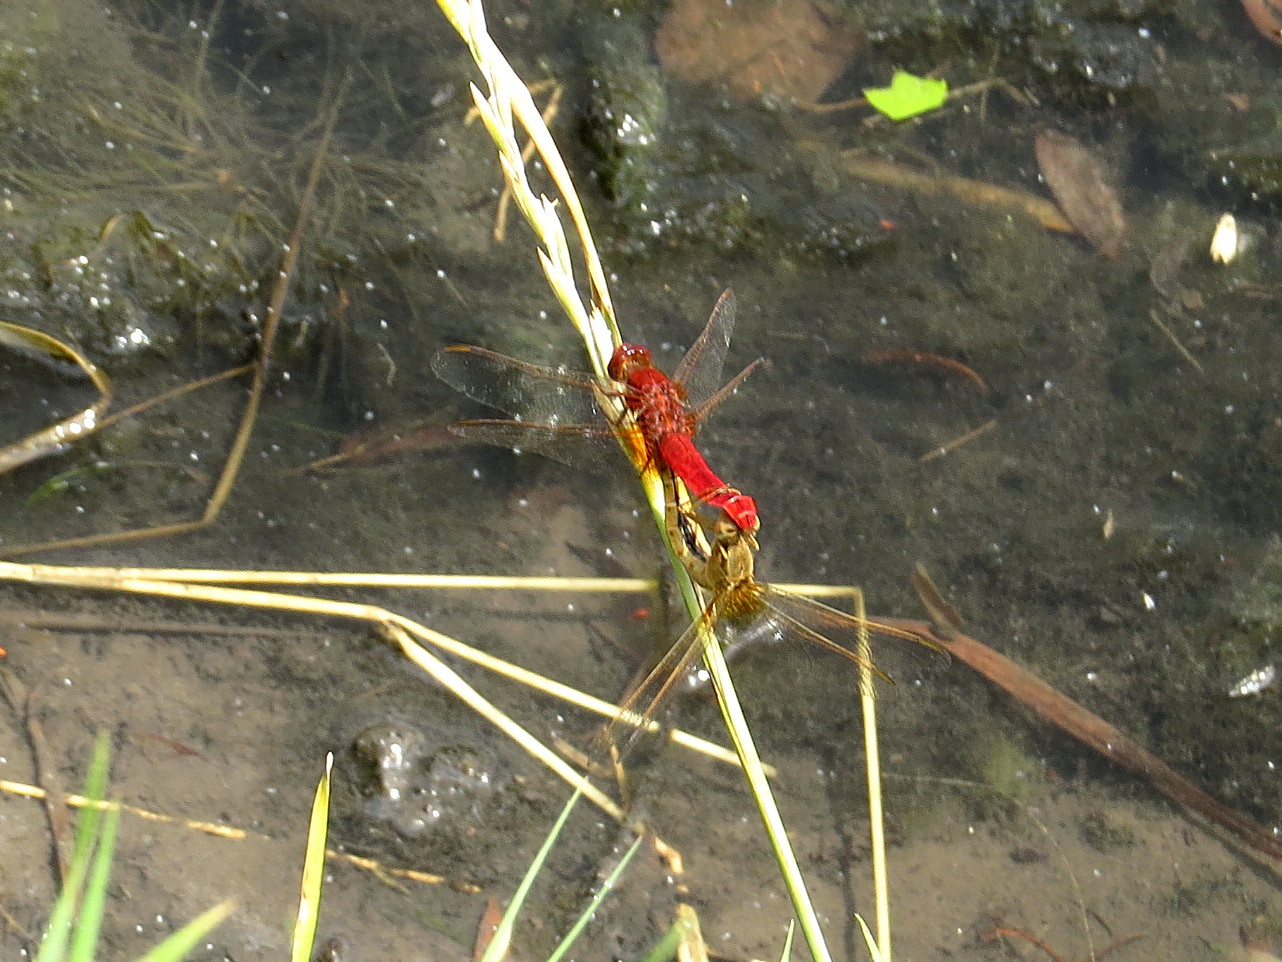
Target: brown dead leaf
<point>1082,190</point>
<point>790,49</point>
<point>1266,17</point>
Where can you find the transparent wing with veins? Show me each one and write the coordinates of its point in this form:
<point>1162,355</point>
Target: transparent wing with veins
<point>530,392</point>
<point>556,410</point>
<point>700,370</point>
<point>754,613</point>
<point>784,617</point>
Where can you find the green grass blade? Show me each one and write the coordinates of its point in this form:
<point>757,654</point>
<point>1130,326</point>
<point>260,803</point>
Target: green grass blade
<point>767,808</point>
<point>95,788</point>
<point>313,870</point>
<point>586,916</point>
<point>62,482</point>
<point>869,940</point>
<point>176,947</point>
<point>58,932</point>
<point>666,947</point>
<point>786,954</point>
<point>502,939</point>
<point>84,942</point>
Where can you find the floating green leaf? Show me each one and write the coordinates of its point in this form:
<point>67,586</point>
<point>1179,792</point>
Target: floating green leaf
<point>908,95</point>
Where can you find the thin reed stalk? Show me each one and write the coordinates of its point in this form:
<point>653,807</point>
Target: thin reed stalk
<point>509,99</point>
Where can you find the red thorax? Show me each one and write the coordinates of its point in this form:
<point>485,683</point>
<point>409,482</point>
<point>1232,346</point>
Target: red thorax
<point>658,404</point>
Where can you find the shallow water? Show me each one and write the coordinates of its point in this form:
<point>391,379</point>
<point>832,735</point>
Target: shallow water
<point>995,820</point>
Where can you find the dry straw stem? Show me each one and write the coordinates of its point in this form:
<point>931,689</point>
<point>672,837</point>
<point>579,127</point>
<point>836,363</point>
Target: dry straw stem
<point>509,98</point>
<point>872,754</point>
<point>75,576</point>
<point>261,371</point>
<point>232,833</point>
<point>196,584</point>
<point>400,629</point>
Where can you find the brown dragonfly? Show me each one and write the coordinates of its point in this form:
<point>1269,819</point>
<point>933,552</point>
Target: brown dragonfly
<point>744,611</point>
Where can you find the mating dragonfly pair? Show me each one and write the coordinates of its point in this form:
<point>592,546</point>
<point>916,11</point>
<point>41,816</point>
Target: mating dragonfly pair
<point>559,414</point>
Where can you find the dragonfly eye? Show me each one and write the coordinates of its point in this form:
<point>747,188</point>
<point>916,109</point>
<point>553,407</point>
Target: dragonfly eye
<point>628,358</point>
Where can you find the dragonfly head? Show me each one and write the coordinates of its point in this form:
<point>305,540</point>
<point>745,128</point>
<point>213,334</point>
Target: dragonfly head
<point>737,523</point>
<point>734,550</point>
<point>628,358</point>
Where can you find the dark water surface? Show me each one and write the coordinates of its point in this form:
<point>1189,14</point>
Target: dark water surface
<point>1114,530</point>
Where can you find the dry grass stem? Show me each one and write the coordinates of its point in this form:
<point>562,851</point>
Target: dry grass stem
<point>508,100</point>
<point>1179,346</point>
<point>948,447</point>
<point>402,630</point>
<point>58,436</point>
<point>59,573</point>
<point>231,833</point>
<point>249,416</point>
<point>21,700</point>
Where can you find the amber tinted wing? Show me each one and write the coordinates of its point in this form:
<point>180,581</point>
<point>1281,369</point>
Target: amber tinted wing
<point>700,370</point>
<point>645,700</point>
<point>781,617</point>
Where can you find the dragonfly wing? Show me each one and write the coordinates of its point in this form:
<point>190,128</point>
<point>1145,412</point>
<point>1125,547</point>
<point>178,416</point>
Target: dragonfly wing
<point>647,697</point>
<point>700,369</point>
<point>578,445</point>
<point>785,616</point>
<point>546,395</point>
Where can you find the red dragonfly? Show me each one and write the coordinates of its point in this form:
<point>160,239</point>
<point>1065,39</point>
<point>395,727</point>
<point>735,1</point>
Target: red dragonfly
<point>553,405</point>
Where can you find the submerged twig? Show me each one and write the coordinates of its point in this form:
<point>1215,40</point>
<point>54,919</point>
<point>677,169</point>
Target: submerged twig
<point>1010,932</point>
<point>926,361</point>
<point>57,437</point>
<point>948,447</point>
<point>1093,731</point>
<point>229,832</point>
<point>249,416</point>
<point>1179,346</point>
<point>863,166</point>
<point>20,699</point>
